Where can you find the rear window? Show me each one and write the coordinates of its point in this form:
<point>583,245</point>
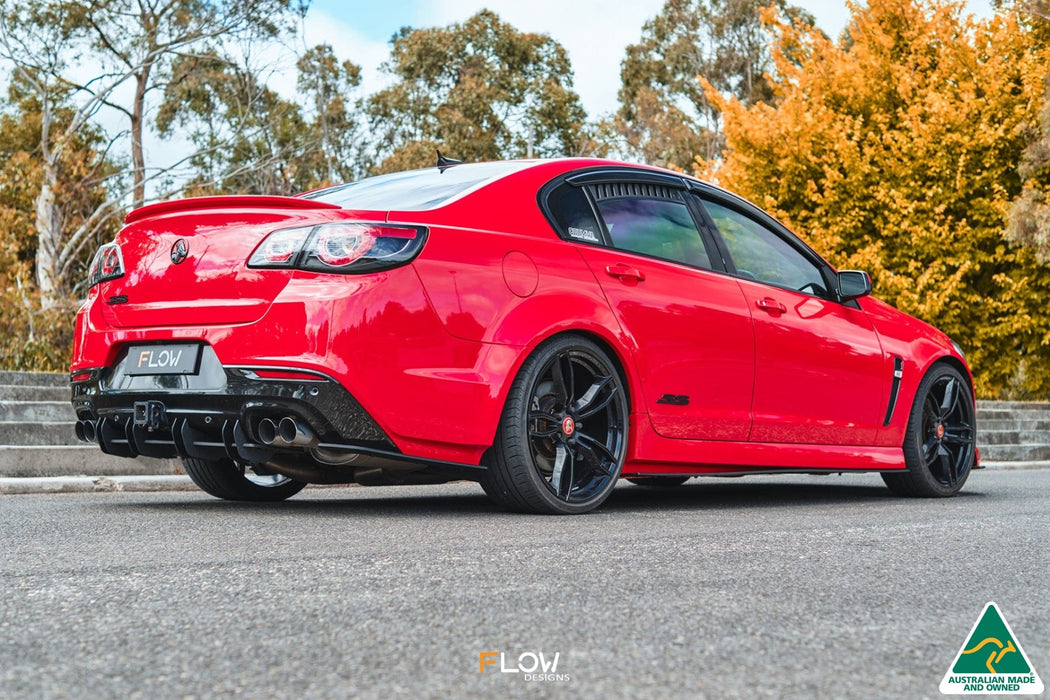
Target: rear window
<point>416,189</point>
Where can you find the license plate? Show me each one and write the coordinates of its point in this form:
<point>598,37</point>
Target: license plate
<point>162,359</point>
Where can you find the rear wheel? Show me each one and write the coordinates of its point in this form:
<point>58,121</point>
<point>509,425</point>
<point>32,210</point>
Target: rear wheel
<point>237,481</point>
<point>562,438</point>
<point>939,446</point>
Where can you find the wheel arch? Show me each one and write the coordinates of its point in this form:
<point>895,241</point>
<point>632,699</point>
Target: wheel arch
<point>600,336</point>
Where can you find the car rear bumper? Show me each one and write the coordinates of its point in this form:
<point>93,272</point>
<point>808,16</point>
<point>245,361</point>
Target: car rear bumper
<point>219,413</point>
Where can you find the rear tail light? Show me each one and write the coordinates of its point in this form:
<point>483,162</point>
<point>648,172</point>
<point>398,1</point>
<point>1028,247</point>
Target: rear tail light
<point>108,264</point>
<point>348,248</point>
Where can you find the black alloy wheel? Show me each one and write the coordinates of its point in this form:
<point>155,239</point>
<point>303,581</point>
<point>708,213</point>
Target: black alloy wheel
<point>562,438</point>
<point>940,443</point>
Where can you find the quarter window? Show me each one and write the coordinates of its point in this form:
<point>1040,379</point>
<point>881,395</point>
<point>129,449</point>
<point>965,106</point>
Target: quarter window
<point>573,214</point>
<point>762,255</point>
<point>657,227</point>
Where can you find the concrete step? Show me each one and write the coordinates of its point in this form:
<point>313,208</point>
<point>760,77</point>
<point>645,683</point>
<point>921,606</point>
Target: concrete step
<point>49,433</point>
<point>51,379</point>
<point>1012,437</point>
<point>1029,426</point>
<point>37,411</point>
<point>23,392</point>
<point>1032,405</point>
<point>1015,453</point>
<point>1011,414</point>
<point>80,459</point>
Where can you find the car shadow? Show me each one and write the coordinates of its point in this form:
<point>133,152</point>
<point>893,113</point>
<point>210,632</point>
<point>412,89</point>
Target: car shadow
<point>700,494</point>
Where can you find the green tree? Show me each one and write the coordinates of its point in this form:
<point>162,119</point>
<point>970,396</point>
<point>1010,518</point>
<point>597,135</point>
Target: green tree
<point>249,139</point>
<point>665,116</point>
<point>896,150</point>
<point>479,90</point>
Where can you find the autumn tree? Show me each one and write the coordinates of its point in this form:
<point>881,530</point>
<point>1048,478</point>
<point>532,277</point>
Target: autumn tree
<point>40,338</point>
<point>479,90</point>
<point>665,116</point>
<point>896,150</point>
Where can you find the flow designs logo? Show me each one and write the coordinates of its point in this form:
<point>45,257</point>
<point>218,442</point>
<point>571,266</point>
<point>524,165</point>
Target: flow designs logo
<point>531,666</point>
<point>991,660</point>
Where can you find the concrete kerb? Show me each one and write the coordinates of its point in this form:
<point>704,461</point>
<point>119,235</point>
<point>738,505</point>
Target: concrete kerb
<point>83,484</point>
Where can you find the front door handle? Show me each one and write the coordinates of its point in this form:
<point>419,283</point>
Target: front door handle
<point>625,272</point>
<point>771,305</point>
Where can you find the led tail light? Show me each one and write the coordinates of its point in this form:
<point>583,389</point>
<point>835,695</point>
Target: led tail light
<point>342,247</point>
<point>108,264</point>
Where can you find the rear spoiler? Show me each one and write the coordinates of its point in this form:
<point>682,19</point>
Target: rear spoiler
<point>237,201</point>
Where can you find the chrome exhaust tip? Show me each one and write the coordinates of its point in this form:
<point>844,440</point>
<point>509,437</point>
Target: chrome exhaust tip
<point>297,433</point>
<point>267,431</point>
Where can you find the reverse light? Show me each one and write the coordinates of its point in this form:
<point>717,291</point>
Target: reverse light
<point>342,247</point>
<point>108,264</point>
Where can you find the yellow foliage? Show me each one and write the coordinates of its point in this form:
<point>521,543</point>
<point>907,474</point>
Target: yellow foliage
<point>895,149</point>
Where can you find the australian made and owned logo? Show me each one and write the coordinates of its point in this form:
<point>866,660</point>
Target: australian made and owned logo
<point>991,660</point>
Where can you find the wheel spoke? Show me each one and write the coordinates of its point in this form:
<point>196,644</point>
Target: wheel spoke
<point>599,406</point>
<point>540,415</point>
<point>929,451</point>
<point>563,464</point>
<point>947,471</point>
<point>596,460</point>
<point>584,402</point>
<point>951,397</point>
<point>561,373</point>
<point>596,446</point>
<point>958,438</point>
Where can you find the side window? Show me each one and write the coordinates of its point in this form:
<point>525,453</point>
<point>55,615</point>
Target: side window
<point>657,227</point>
<point>762,255</point>
<point>573,215</point>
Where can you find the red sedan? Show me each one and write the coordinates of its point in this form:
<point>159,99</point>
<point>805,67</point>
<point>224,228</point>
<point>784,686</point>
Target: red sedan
<point>542,327</point>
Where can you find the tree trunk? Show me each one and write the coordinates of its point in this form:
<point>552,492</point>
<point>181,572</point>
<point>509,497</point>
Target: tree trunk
<point>48,234</point>
<point>138,160</point>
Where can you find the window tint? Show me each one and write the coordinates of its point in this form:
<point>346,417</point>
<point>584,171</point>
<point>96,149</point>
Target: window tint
<point>762,255</point>
<point>573,215</point>
<point>661,228</point>
<point>416,189</point>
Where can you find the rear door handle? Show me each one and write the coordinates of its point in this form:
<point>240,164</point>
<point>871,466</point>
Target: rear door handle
<point>625,272</point>
<point>771,305</point>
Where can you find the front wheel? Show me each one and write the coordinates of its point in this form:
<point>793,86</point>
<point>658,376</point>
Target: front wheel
<point>236,481</point>
<point>562,439</point>
<point>939,446</point>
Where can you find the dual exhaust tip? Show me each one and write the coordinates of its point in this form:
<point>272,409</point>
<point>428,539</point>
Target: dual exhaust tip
<point>287,432</point>
<point>86,431</point>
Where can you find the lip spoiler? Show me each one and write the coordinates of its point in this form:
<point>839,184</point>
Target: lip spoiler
<point>239,201</point>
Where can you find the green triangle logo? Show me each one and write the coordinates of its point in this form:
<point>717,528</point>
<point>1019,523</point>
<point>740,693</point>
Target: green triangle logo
<point>991,660</point>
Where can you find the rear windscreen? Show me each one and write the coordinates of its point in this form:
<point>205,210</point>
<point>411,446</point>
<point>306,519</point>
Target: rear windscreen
<point>415,189</point>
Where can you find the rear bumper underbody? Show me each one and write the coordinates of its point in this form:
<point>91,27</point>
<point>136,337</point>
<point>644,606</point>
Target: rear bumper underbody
<point>217,413</point>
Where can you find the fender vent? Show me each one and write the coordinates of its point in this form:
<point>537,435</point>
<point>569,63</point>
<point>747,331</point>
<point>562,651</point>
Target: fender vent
<point>611,190</point>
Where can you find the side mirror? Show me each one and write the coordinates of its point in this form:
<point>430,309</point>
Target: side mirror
<point>854,284</point>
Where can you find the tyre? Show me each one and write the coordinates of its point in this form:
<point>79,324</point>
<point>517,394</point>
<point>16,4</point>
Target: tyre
<point>659,482</point>
<point>939,445</point>
<point>562,438</point>
<point>235,481</point>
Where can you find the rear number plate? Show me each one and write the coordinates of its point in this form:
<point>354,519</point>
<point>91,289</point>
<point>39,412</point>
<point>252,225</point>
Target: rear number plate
<point>163,359</point>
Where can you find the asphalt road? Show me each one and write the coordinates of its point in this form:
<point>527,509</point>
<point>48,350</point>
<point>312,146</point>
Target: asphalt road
<point>787,586</point>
